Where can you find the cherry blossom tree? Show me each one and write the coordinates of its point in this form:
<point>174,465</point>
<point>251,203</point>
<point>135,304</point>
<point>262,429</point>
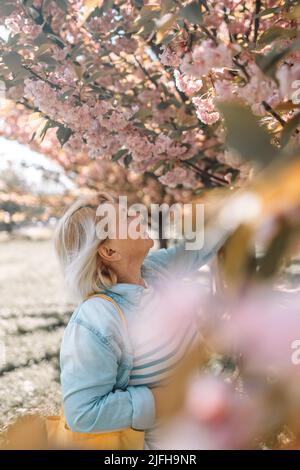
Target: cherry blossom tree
<point>140,82</point>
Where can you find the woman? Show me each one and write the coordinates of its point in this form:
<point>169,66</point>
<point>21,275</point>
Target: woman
<point>109,379</point>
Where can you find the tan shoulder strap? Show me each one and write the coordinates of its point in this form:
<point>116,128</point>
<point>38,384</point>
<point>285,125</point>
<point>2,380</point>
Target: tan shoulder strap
<point>106,297</point>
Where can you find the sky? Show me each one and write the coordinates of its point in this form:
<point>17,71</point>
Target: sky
<point>14,154</point>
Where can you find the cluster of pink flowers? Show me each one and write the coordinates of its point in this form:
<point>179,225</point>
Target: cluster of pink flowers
<point>206,57</point>
<point>170,58</point>
<point>288,75</point>
<point>207,62</point>
<point>172,54</point>
<point>101,129</point>
<point>205,110</point>
<point>167,146</point>
<point>102,24</point>
<point>64,75</point>
<point>17,23</point>
<point>187,83</point>
<point>177,176</point>
<point>123,44</point>
<point>259,89</point>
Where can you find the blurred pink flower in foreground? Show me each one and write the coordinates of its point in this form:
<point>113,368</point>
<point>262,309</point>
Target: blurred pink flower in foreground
<point>260,333</point>
<point>263,329</point>
<point>215,417</point>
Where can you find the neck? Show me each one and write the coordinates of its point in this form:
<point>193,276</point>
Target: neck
<point>130,275</point>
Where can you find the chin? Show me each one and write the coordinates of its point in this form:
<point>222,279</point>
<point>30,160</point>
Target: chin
<point>151,242</point>
<point>148,243</point>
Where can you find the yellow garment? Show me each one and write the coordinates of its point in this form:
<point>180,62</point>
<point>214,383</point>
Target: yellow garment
<point>60,435</point>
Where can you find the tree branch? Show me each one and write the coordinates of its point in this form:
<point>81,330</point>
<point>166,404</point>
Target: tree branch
<point>204,172</point>
<point>256,19</point>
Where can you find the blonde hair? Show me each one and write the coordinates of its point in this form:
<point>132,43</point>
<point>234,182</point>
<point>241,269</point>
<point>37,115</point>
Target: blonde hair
<point>76,243</point>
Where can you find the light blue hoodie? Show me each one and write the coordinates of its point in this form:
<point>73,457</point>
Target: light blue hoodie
<point>96,355</point>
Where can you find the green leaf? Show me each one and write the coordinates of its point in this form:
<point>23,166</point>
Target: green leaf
<point>205,4</point>
<point>157,165</point>
<point>13,40</point>
<point>192,13</point>
<point>289,129</point>
<point>127,160</point>
<point>146,15</point>
<point>156,76</point>
<point>149,27</point>
<point>164,25</point>
<point>63,5</point>
<point>13,61</point>
<point>275,33</point>
<point>66,94</point>
<point>142,114</point>
<point>47,58</point>
<point>46,3</point>
<point>139,4</point>
<point>107,5</point>
<point>267,12</point>
<point>245,135</point>
<point>119,154</point>
<point>166,6</point>
<point>63,134</point>
<point>49,124</point>
<point>7,8</point>
<point>41,40</point>
<point>14,82</point>
<point>34,14</point>
<point>21,74</point>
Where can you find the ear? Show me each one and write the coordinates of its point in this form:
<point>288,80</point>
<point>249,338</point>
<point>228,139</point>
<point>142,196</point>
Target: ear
<point>108,254</point>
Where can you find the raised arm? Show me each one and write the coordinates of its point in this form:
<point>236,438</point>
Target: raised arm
<point>180,262</point>
<point>89,366</point>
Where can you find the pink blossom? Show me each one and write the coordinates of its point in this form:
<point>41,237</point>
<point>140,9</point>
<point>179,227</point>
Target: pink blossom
<point>63,75</point>
<point>60,54</point>
<point>15,92</point>
<point>239,27</point>
<point>177,176</point>
<point>75,143</point>
<point>164,145</point>
<point>259,89</point>
<point>14,22</point>
<point>115,122</point>
<point>206,110</point>
<point>98,108</point>
<point>102,24</point>
<point>32,29</point>
<point>123,44</point>
<point>213,417</point>
<point>287,75</point>
<point>17,23</point>
<point>225,89</point>
<point>206,57</point>
<point>139,146</point>
<point>263,327</point>
<point>170,58</point>
<point>187,83</point>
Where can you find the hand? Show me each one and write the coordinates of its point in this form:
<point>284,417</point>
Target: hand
<point>158,394</point>
<point>166,403</point>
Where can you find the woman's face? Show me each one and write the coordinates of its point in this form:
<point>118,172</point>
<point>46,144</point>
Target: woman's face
<point>130,238</point>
